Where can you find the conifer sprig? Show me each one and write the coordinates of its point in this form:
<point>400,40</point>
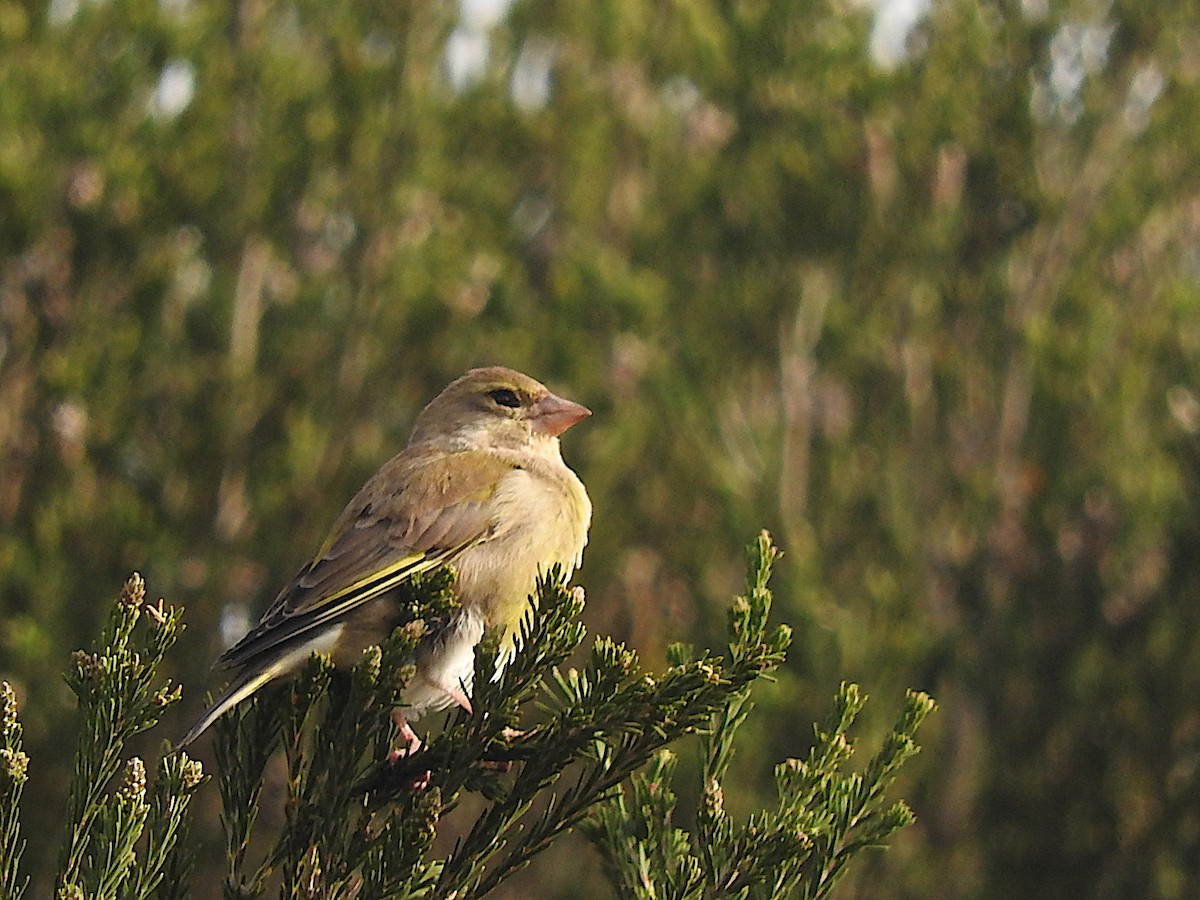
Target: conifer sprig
<point>545,748</point>
<point>120,695</point>
<point>336,732</point>
<point>824,815</point>
<point>359,819</point>
<point>13,775</point>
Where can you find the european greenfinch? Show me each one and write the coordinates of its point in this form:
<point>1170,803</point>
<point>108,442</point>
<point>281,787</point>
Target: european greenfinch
<point>481,486</point>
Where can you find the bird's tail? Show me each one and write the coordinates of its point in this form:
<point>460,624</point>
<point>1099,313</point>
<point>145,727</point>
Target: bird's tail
<point>246,683</point>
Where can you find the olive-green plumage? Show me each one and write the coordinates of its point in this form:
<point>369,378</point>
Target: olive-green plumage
<point>481,486</point>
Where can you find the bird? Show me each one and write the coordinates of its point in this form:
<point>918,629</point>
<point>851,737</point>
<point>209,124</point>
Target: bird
<point>481,486</point>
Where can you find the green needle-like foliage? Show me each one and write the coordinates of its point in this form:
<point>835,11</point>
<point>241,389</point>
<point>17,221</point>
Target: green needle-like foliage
<point>823,818</point>
<point>544,749</point>
<point>336,734</point>
<point>120,696</point>
<point>361,820</point>
<point>13,775</point>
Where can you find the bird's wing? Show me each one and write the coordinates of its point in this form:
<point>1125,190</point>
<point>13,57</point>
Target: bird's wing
<point>418,512</point>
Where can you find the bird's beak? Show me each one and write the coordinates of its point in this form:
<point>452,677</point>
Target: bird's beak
<point>553,415</point>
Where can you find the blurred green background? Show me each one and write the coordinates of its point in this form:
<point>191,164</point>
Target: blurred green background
<point>923,301</point>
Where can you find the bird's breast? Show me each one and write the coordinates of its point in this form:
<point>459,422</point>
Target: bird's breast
<point>541,521</point>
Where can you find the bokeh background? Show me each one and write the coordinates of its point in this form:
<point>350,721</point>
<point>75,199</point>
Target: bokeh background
<point>914,286</point>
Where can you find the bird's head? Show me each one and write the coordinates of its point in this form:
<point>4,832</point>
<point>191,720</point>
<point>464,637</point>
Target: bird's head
<point>496,407</point>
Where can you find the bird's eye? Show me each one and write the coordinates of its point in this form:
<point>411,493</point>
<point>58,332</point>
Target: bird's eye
<point>505,397</point>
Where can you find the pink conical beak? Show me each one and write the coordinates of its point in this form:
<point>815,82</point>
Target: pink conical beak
<point>553,415</point>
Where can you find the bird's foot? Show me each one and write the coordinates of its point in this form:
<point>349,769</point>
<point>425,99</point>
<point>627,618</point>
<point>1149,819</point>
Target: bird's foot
<point>401,757</point>
<point>420,781</point>
<point>411,742</point>
<point>501,758</point>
